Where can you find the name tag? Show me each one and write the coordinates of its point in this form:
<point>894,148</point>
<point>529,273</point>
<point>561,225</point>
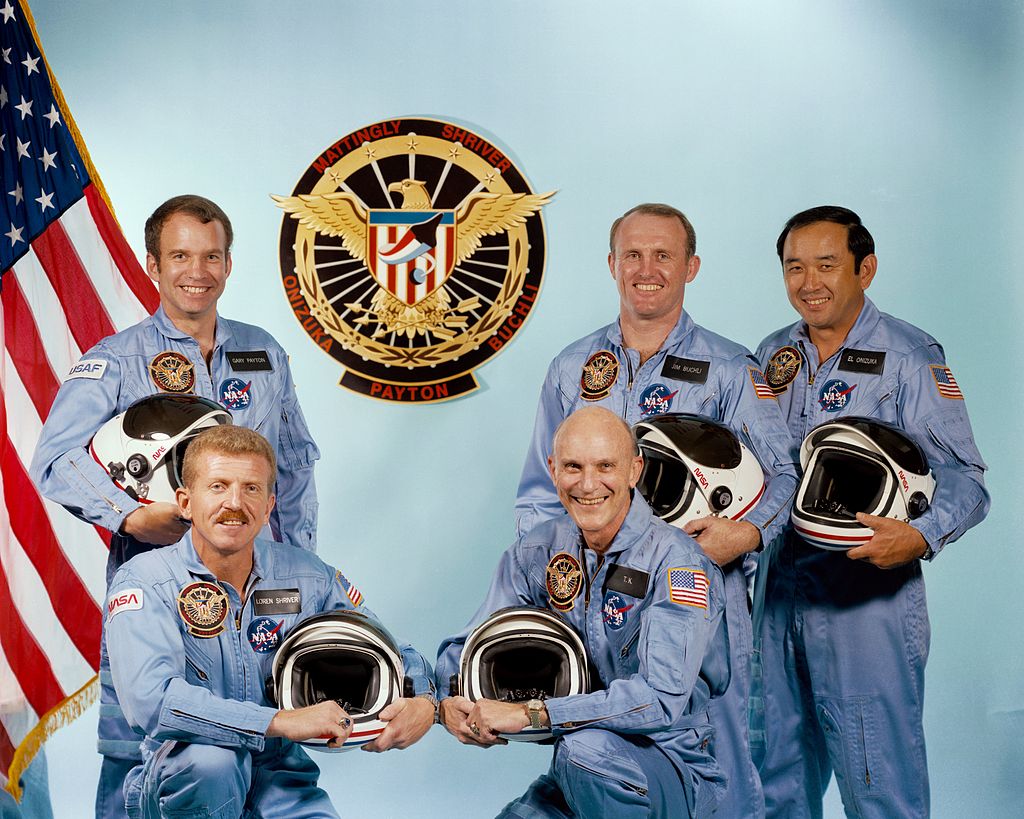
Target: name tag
<point>627,581</point>
<point>862,361</point>
<point>686,369</point>
<point>276,601</point>
<point>249,361</point>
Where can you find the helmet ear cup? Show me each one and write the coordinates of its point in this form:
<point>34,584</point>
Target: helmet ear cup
<point>917,505</point>
<point>138,467</point>
<point>721,498</point>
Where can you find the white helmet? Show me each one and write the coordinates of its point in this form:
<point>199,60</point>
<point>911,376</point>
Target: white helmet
<point>694,467</point>
<point>523,653</point>
<point>343,656</point>
<point>142,449</point>
<point>858,465</point>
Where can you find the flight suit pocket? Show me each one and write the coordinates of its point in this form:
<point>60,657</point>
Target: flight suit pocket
<point>853,738</point>
<point>197,668</point>
<point>664,650</point>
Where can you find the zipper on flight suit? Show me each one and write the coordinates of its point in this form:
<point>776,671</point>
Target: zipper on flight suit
<point>110,503</point>
<point>586,575</point>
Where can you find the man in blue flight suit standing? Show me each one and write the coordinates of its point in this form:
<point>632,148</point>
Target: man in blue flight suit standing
<point>185,347</point>
<point>639,746</point>
<point>190,649</point>
<point>655,359</point>
<point>845,636</point>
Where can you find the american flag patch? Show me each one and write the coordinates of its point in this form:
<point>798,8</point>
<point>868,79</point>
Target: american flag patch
<point>351,591</point>
<point>760,385</point>
<point>945,383</point>
<point>688,587</point>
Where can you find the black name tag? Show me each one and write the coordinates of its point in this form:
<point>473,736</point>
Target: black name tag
<point>686,369</point>
<point>627,581</point>
<point>250,361</point>
<point>276,601</point>
<point>862,361</point>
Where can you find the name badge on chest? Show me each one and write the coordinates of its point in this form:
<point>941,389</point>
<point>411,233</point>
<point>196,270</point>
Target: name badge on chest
<point>249,361</point>
<point>276,601</point>
<point>862,361</point>
<point>686,369</point>
<point>627,581</point>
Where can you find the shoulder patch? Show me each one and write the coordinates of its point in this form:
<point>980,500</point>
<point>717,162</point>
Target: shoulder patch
<point>127,600</point>
<point>599,374</point>
<point>87,368</point>
<point>782,369</point>
<point>761,387</point>
<point>945,383</point>
<point>351,592</point>
<point>688,587</point>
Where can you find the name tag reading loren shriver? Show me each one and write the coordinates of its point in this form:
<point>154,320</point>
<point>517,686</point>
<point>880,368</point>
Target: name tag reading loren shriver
<point>276,601</point>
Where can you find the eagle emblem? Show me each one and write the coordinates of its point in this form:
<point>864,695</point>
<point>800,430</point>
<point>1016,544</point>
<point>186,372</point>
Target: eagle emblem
<point>418,247</point>
<point>564,580</point>
<point>172,372</point>
<point>203,608</point>
<point>599,374</point>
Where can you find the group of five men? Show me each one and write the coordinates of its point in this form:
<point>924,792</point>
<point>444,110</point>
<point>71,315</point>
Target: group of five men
<point>830,675</point>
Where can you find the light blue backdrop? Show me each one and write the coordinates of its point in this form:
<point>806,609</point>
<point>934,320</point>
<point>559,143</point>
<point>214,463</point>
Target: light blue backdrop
<point>741,114</point>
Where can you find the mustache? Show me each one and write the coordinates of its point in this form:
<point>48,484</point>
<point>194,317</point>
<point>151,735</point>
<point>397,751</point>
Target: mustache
<point>229,517</point>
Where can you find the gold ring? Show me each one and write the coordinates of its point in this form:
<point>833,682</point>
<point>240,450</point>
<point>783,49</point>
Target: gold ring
<point>474,728</point>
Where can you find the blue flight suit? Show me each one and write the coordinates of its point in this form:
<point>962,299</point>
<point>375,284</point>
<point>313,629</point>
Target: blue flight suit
<point>695,371</point>
<point>640,743</point>
<point>200,700</point>
<point>248,374</point>
<point>843,644</point>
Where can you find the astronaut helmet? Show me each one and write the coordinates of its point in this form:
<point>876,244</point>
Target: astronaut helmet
<point>342,656</point>
<point>858,465</point>
<point>143,448</point>
<point>523,653</point>
<point>695,467</point>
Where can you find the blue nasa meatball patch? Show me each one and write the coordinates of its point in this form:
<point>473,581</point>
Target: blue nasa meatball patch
<point>264,634</point>
<point>834,395</point>
<point>615,610</point>
<point>656,399</point>
<point>235,394</point>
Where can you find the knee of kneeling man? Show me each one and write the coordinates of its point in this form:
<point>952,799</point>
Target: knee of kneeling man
<point>206,766</point>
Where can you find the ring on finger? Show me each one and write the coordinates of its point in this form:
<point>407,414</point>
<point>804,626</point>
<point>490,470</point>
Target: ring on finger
<point>475,729</point>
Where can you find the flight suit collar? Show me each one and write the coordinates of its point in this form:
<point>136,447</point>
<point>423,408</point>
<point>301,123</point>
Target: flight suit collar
<point>862,332</point>
<point>261,558</point>
<point>634,527</point>
<point>169,330</point>
<point>683,328</point>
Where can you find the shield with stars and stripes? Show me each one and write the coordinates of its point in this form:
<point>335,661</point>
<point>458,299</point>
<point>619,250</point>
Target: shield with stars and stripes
<point>411,252</point>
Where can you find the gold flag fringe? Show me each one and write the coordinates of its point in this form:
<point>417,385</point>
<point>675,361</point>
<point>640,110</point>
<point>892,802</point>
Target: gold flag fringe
<point>59,716</point>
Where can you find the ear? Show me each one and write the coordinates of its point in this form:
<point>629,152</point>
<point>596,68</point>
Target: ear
<point>868,268</point>
<point>551,467</point>
<point>635,469</point>
<point>611,264</point>
<point>692,267</point>
<point>181,496</point>
<point>152,267</point>
<point>227,265</point>
<point>270,508</point>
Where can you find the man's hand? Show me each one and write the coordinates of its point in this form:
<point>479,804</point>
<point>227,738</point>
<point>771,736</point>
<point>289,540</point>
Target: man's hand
<point>455,713</point>
<point>408,719</point>
<point>157,523</point>
<point>325,719</point>
<point>724,540</point>
<point>895,543</point>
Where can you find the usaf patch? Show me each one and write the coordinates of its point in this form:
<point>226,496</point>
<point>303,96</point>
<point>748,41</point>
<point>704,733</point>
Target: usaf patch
<point>353,594</point>
<point>656,399</point>
<point>615,610</point>
<point>564,580</point>
<point>276,601</point>
<point>89,368</point>
<point>128,600</point>
<point>628,581</point>
<point>782,369</point>
<point>203,608</point>
<point>862,361</point>
<point>172,372</point>
<point>834,395</point>
<point>686,369</point>
<point>235,394</point>
<point>599,374</point>
<point>264,634</point>
<point>249,361</point>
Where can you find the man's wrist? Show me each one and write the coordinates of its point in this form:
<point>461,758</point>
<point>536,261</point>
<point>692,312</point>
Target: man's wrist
<point>429,697</point>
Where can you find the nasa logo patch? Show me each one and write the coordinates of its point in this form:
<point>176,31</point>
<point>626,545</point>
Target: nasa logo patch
<point>235,394</point>
<point>599,374</point>
<point>614,610</point>
<point>834,395</point>
<point>656,399</point>
<point>264,634</point>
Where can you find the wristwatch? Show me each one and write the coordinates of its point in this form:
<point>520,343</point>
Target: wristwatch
<point>534,708</point>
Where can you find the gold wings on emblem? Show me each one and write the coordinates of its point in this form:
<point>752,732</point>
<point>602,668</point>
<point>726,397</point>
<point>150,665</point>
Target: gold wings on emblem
<point>484,214</point>
<point>332,214</point>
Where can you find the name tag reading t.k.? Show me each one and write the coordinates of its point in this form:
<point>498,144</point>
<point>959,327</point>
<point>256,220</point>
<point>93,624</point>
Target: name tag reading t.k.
<point>862,361</point>
<point>686,369</point>
<point>276,601</point>
<point>625,580</point>
<point>248,361</point>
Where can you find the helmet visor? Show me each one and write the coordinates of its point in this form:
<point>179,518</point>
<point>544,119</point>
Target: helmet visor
<point>353,678</point>
<point>841,484</point>
<point>700,439</point>
<point>149,420</point>
<point>523,669</point>
<point>665,482</point>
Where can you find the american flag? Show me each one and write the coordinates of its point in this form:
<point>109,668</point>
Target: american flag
<point>944,381</point>
<point>688,587</point>
<point>353,593</point>
<point>760,385</point>
<point>68,279</point>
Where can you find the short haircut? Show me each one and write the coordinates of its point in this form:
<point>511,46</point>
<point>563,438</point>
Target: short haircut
<point>227,439</point>
<point>657,209</point>
<point>858,240</point>
<point>197,206</point>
